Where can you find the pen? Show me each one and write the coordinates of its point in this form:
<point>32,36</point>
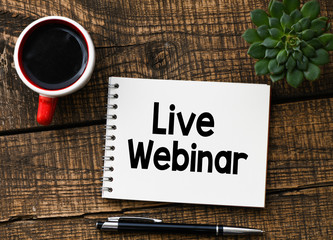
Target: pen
<point>156,225</point>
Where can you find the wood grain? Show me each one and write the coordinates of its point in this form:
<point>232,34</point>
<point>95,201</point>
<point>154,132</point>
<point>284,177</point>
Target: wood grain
<point>57,173</point>
<point>54,173</point>
<point>301,214</point>
<point>190,40</point>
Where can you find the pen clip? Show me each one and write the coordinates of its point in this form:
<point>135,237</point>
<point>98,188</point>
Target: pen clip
<point>134,219</point>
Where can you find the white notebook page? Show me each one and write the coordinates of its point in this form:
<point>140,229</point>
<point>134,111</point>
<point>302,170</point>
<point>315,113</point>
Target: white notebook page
<point>226,124</point>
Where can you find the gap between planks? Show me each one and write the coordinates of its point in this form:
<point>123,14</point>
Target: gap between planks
<point>22,218</point>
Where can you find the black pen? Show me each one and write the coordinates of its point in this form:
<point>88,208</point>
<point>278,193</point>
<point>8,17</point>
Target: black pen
<point>156,225</point>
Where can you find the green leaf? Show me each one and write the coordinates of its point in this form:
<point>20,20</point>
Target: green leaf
<point>297,27</point>
<point>291,63</point>
<point>295,78</point>
<point>288,30</point>
<point>319,26</point>
<point>275,33</point>
<point>270,42</point>
<point>296,15</point>
<point>259,17</point>
<point>256,50</point>
<point>322,18</point>
<point>297,55</point>
<point>321,57</point>
<point>312,73</point>
<point>271,52</point>
<point>291,5</point>
<point>286,21</point>
<point>277,8</point>
<point>274,67</point>
<point>263,31</point>
<point>282,56</point>
<point>328,26</point>
<point>261,67</point>
<point>275,23</point>
<point>327,40</point>
<point>277,77</point>
<point>270,4</point>
<point>316,43</point>
<point>309,51</point>
<point>251,36</point>
<point>308,34</point>
<point>303,44</point>
<point>280,45</point>
<point>305,23</point>
<point>311,9</point>
<point>302,64</point>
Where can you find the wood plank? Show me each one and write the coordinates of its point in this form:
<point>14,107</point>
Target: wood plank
<point>187,40</point>
<point>300,144</point>
<point>304,214</point>
<point>57,173</point>
<point>54,173</point>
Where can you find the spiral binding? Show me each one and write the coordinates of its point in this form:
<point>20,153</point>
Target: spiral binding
<point>107,189</point>
<point>113,127</point>
<point>108,169</point>
<point>110,179</point>
<point>112,106</point>
<point>107,158</point>
<point>110,137</point>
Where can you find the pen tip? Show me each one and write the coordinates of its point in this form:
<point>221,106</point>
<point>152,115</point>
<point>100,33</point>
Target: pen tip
<point>99,225</point>
<point>257,231</point>
<point>241,231</point>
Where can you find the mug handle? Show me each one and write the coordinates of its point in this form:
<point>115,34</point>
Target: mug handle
<point>46,108</point>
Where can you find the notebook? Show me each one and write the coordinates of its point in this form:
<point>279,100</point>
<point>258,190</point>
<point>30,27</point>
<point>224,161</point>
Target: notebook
<point>181,141</point>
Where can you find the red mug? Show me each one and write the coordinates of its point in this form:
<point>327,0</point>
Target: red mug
<point>54,56</point>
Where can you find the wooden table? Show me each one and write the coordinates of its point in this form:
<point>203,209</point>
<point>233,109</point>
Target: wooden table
<point>50,176</point>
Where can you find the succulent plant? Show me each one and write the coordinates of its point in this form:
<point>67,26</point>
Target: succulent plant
<point>289,42</point>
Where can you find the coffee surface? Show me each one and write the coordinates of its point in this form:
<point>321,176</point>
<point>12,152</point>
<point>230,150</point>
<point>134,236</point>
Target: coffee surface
<point>54,56</point>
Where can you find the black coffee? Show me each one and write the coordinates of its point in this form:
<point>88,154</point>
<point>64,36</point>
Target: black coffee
<point>54,56</point>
